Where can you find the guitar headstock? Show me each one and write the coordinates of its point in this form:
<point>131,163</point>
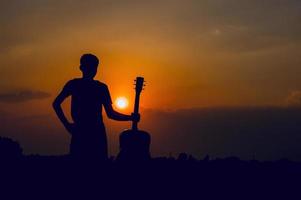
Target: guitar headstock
<point>139,84</point>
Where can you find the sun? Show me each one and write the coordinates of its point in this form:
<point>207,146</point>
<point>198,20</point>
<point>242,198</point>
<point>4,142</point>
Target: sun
<point>121,102</point>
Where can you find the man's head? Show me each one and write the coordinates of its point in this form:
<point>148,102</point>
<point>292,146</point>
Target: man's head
<point>88,65</point>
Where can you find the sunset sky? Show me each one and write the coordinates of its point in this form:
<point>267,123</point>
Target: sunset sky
<point>194,54</point>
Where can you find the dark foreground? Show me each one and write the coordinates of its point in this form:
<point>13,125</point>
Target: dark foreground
<point>161,178</point>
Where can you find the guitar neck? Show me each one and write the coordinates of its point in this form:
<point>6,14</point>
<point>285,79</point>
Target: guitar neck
<point>136,110</point>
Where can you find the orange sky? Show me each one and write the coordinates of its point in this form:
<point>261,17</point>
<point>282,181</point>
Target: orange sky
<point>194,53</point>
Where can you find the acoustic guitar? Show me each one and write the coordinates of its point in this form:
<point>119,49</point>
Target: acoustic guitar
<point>134,144</point>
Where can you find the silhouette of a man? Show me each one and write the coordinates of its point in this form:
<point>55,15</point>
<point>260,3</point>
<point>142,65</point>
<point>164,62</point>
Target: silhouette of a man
<point>87,98</point>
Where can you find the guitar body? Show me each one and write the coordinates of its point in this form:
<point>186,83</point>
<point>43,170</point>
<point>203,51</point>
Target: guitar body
<point>133,143</point>
<point>134,146</point>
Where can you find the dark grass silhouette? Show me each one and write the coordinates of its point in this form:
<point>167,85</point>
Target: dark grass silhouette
<point>164,177</point>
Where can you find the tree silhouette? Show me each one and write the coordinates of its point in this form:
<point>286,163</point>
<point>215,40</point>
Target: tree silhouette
<point>9,149</point>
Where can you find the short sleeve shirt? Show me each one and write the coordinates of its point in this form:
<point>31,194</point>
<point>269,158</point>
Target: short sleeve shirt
<point>87,99</point>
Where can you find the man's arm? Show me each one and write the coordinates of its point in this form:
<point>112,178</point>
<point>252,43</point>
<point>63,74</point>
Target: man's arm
<point>59,111</point>
<point>112,114</point>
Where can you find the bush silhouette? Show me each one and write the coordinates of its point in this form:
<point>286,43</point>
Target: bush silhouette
<point>9,148</point>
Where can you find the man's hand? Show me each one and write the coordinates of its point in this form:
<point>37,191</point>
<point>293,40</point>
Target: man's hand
<point>135,117</point>
<point>70,127</point>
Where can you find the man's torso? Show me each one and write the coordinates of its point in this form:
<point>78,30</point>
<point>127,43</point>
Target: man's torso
<point>88,96</point>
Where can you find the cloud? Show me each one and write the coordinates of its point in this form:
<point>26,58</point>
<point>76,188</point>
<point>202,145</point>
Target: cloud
<point>266,133</point>
<point>22,96</point>
<point>184,19</point>
<point>294,99</point>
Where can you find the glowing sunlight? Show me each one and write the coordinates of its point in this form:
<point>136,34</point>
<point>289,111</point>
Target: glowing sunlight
<point>121,103</point>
